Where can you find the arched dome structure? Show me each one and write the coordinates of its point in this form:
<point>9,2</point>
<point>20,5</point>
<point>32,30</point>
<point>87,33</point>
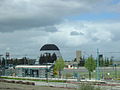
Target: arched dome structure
<point>49,47</point>
<point>49,53</point>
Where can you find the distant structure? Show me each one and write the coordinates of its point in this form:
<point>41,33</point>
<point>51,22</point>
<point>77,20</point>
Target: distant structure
<point>78,56</point>
<point>101,60</point>
<point>7,58</point>
<point>1,57</point>
<point>80,59</point>
<point>101,57</point>
<point>25,67</point>
<point>49,53</point>
<point>41,71</point>
<point>49,47</point>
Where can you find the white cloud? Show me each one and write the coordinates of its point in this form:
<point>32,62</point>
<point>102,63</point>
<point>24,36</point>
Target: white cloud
<point>37,22</point>
<point>102,36</point>
<point>96,35</point>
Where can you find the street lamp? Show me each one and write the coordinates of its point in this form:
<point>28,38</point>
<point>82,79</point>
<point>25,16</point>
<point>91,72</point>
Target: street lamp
<point>115,71</point>
<point>1,64</point>
<point>98,73</point>
<point>46,72</point>
<point>6,64</point>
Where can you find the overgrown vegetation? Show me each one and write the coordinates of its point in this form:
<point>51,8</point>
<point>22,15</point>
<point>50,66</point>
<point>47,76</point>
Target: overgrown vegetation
<point>87,86</point>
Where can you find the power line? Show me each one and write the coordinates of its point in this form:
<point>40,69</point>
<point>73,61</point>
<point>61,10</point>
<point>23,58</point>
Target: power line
<point>109,52</point>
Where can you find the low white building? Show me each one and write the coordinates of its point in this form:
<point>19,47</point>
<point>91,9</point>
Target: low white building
<point>41,71</point>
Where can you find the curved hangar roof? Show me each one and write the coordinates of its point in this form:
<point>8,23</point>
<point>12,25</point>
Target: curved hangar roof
<point>49,47</point>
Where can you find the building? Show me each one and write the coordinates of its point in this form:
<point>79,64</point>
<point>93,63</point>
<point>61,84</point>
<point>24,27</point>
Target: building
<point>49,53</point>
<point>78,56</point>
<point>41,71</point>
<point>43,66</point>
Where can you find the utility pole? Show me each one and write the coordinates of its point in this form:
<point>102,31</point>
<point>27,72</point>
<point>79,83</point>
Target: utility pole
<point>98,72</point>
<point>1,56</point>
<point>1,59</point>
<point>46,61</point>
<point>115,71</point>
<point>6,62</point>
<point>1,70</point>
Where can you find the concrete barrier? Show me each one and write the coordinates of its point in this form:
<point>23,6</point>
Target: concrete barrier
<point>17,82</point>
<point>30,83</point>
<point>23,83</point>
<point>12,81</point>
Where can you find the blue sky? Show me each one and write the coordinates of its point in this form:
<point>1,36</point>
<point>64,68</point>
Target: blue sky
<point>102,15</point>
<point>115,1</point>
<point>95,16</point>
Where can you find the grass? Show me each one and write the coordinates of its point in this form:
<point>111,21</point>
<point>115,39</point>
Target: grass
<point>63,81</point>
<point>94,74</point>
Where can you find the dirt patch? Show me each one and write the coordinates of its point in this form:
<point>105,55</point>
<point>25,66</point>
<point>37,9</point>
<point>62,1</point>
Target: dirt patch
<point>12,86</point>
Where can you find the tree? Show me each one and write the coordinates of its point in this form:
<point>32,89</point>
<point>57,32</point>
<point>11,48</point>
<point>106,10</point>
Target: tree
<point>106,62</point>
<point>0,62</point>
<point>101,60</point>
<point>49,58</point>
<point>59,66</point>
<point>53,57</point>
<point>111,61</point>
<point>15,61</point>
<point>90,65</point>
<point>3,62</point>
<point>42,59</point>
<point>75,60</point>
<point>101,63</point>
<point>81,62</point>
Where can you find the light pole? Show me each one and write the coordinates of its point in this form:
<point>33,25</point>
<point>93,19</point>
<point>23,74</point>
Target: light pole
<point>115,71</point>
<point>98,73</point>
<point>46,66</point>
<point>0,56</point>
<point>6,63</point>
<point>1,71</point>
<point>1,59</point>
